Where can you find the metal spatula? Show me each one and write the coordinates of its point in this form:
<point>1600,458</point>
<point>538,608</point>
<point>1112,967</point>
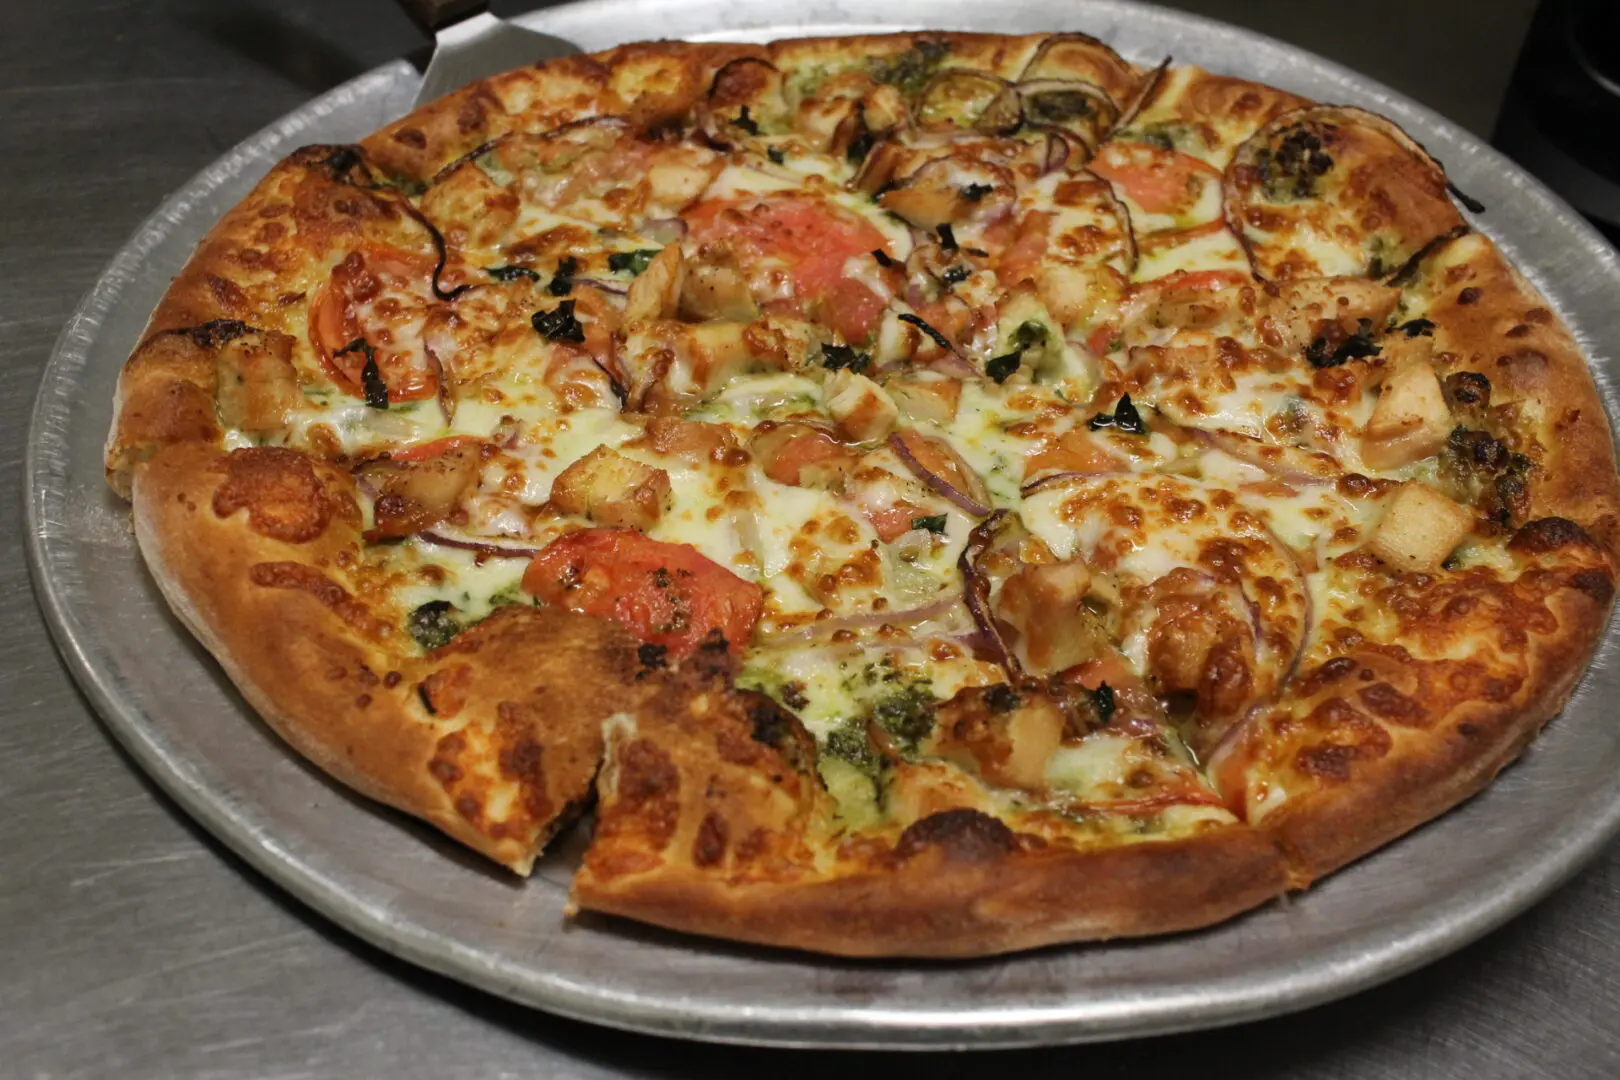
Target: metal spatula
<point>470,43</point>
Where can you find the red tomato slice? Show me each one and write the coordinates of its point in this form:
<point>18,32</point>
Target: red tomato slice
<point>375,295</point>
<point>811,239</point>
<point>664,594</point>
<point>432,449</point>
<point>1159,181</point>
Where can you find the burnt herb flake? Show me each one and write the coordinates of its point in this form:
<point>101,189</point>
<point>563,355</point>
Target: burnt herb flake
<point>559,324</point>
<point>745,123</point>
<point>843,358</point>
<point>511,273</point>
<point>1125,417</point>
<point>562,282</point>
<point>372,385</point>
<point>975,192</point>
<point>1000,368</point>
<point>1332,349</point>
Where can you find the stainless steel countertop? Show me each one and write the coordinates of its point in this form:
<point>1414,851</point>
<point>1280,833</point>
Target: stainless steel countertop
<point>131,944</point>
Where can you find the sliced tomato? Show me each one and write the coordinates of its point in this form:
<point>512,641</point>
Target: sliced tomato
<point>1022,259</point>
<point>786,451</point>
<point>1159,181</point>
<point>664,594</point>
<point>376,300</point>
<point>433,448</point>
<point>810,239</point>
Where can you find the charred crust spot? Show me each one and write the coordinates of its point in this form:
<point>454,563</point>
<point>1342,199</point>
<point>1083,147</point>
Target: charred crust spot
<point>216,332</point>
<point>293,575</point>
<point>962,834</point>
<point>363,701</point>
<point>411,137</point>
<point>710,845</point>
<point>444,770</point>
<point>1594,583</point>
<point>652,656</point>
<point>524,762</point>
<point>1330,672</point>
<point>646,773</point>
<point>1326,762</point>
<point>280,491</point>
<point>1549,534</point>
<point>1001,698</point>
<point>228,294</point>
<point>1469,295</point>
<point>1384,701</point>
<point>1468,730</point>
<point>392,679</point>
<point>769,723</point>
<point>1519,331</point>
<point>469,807</point>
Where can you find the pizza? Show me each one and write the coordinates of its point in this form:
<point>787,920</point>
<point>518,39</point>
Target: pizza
<point>929,494</point>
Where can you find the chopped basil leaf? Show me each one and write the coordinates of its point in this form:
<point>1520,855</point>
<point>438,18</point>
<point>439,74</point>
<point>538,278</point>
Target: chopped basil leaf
<point>883,258</point>
<point>975,192</point>
<point>947,238</point>
<point>559,324</point>
<point>956,275</point>
<point>433,624</point>
<point>1103,698</point>
<point>1030,334</point>
<point>633,261</point>
<point>776,155</point>
<point>1417,328</point>
<point>934,523</point>
<point>511,273</point>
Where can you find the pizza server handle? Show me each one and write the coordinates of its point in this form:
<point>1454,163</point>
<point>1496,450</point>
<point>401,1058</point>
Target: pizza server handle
<point>471,44</point>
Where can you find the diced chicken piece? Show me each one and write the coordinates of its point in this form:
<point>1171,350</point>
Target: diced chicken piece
<point>948,191</point>
<point>413,495</point>
<point>1310,308</point>
<point>884,108</point>
<point>925,396</point>
<point>612,489</point>
<point>1411,420</point>
<point>257,382</point>
<point>862,409</point>
<point>694,441</point>
<point>656,292</point>
<point>678,175</point>
<point>670,362</point>
<point>710,291</point>
<point>1005,735</point>
<point>1420,528</point>
<point>1045,604</point>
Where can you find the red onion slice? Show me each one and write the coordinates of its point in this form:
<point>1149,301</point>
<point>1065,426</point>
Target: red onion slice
<point>483,548</point>
<point>975,503</point>
<point>865,621</point>
<point>976,591</point>
<point>613,288</point>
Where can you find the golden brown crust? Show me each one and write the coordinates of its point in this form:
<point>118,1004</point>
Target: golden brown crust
<point>936,904</point>
<point>492,739</point>
<point>1491,320</point>
<point>1374,742</point>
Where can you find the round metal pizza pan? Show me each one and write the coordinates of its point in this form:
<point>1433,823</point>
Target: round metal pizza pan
<point>401,887</point>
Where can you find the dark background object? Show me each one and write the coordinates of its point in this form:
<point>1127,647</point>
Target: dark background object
<point>133,945</point>
<point>1561,117</point>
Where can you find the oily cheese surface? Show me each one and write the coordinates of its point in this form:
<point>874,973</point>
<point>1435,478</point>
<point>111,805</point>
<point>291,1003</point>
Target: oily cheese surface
<point>929,494</point>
